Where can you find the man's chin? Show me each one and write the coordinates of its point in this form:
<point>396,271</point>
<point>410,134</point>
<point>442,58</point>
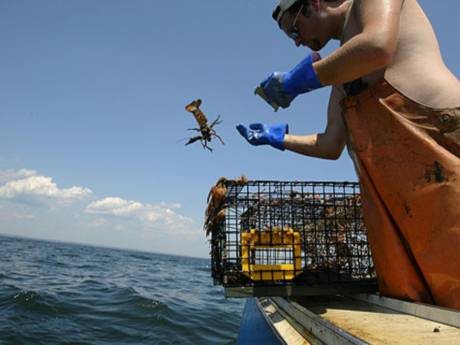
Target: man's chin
<point>314,45</point>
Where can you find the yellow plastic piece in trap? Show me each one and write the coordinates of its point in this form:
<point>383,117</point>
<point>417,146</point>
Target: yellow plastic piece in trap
<point>277,239</point>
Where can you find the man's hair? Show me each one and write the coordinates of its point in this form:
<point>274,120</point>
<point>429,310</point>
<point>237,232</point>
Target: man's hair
<point>306,11</point>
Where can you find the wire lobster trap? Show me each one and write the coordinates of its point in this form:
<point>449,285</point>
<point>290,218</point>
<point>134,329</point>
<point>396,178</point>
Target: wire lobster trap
<point>291,238</point>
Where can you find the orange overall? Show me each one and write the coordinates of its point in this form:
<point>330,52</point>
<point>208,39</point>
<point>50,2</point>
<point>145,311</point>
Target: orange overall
<point>408,159</point>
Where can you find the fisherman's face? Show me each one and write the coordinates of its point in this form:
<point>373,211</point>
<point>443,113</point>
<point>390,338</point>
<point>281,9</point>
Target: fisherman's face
<point>308,28</point>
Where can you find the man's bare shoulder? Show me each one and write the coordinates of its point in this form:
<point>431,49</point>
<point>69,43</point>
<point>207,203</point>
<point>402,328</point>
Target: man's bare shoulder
<point>417,68</point>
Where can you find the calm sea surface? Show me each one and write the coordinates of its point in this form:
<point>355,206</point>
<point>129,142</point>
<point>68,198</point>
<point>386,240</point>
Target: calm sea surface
<point>55,293</point>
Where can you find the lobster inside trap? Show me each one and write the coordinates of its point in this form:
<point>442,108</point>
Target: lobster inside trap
<point>276,238</point>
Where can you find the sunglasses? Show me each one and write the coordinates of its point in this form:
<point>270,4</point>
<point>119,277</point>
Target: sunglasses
<point>294,32</point>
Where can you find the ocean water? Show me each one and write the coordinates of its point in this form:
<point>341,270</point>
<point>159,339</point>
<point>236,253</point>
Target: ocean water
<point>56,293</point>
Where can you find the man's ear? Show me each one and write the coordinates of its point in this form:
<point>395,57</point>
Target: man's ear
<point>316,4</point>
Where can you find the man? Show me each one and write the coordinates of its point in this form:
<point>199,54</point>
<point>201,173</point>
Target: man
<point>396,106</point>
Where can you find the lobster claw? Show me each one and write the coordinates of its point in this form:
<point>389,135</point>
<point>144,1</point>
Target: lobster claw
<point>193,106</point>
<point>192,140</point>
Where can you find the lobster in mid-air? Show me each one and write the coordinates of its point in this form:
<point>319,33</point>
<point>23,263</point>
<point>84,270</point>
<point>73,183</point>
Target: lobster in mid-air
<point>207,132</point>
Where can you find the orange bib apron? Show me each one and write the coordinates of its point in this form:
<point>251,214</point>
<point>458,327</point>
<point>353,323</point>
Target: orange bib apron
<point>408,159</point>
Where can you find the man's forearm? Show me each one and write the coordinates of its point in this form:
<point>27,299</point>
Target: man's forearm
<point>310,145</point>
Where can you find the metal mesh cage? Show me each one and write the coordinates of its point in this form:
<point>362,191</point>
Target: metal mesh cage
<point>291,233</point>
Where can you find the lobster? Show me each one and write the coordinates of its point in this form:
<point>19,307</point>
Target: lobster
<point>207,132</point>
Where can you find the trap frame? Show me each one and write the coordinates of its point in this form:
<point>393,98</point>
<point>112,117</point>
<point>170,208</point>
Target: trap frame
<point>287,238</point>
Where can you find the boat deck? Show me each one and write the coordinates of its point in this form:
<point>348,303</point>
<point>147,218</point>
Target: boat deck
<point>359,319</point>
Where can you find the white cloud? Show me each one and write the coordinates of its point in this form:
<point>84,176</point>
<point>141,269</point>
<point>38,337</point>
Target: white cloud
<point>30,188</point>
<point>9,175</point>
<point>28,184</point>
<point>158,216</point>
<point>113,206</point>
<point>174,205</point>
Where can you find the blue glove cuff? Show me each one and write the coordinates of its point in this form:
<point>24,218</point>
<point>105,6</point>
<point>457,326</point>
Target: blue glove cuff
<point>302,78</point>
<point>278,132</point>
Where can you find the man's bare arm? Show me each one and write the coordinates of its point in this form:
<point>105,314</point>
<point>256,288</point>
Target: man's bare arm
<point>327,145</point>
<point>370,50</point>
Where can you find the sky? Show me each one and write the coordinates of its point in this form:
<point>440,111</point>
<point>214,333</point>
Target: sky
<point>92,96</point>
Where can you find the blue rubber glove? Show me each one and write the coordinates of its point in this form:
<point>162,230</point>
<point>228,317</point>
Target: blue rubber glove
<point>282,87</point>
<point>262,134</point>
